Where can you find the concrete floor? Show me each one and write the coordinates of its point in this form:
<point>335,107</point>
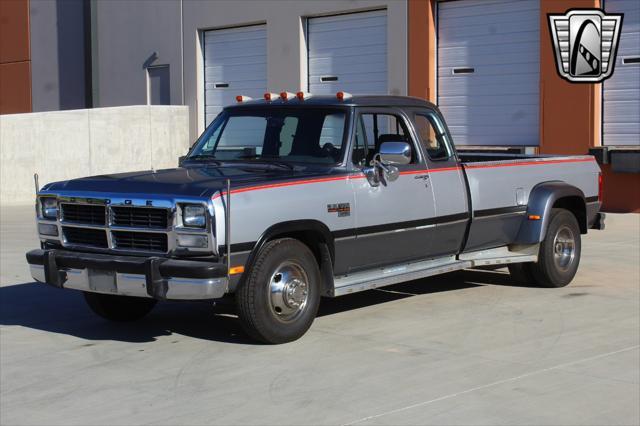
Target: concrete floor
<point>465,348</point>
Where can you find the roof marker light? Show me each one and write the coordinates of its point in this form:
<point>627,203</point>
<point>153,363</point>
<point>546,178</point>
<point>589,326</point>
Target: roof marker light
<point>286,96</point>
<point>343,95</point>
<point>241,98</point>
<point>303,95</point>
<point>270,96</point>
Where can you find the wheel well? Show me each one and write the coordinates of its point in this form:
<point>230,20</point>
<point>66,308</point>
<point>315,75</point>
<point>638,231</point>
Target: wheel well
<point>576,206</point>
<point>310,238</point>
<point>322,250</point>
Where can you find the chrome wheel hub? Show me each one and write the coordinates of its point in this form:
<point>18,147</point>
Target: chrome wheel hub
<point>288,291</point>
<point>564,248</point>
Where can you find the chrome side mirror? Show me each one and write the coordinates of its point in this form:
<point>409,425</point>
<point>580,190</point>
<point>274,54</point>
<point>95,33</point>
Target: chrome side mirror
<point>395,153</point>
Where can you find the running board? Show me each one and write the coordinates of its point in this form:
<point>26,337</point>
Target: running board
<point>380,277</point>
<point>503,255</point>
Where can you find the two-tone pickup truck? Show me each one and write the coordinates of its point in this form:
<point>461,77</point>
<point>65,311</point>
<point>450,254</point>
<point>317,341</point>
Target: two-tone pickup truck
<point>284,200</point>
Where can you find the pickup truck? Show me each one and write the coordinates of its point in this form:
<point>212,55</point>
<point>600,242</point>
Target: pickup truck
<point>291,198</point>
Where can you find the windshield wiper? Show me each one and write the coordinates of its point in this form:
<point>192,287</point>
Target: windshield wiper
<point>268,160</point>
<point>203,157</point>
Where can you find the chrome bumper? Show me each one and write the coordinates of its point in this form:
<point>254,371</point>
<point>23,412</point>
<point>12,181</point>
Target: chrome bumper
<point>136,284</point>
<point>126,276</point>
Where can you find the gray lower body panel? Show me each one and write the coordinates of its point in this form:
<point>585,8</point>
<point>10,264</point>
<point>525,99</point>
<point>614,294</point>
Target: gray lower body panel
<point>395,274</point>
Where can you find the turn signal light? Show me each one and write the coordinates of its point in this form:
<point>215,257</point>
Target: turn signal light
<point>236,270</point>
<point>534,217</point>
<point>270,96</point>
<point>241,98</point>
<point>600,187</point>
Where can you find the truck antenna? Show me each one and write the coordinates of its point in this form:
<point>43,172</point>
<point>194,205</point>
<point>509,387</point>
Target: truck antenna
<point>227,230</point>
<point>36,182</point>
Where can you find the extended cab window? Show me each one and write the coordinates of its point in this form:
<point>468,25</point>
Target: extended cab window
<point>373,129</point>
<point>303,135</point>
<point>432,136</point>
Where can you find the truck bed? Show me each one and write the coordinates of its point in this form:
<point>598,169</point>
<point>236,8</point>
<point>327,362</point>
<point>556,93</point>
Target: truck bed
<point>500,186</point>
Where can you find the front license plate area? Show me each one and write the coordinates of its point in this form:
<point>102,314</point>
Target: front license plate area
<point>102,281</point>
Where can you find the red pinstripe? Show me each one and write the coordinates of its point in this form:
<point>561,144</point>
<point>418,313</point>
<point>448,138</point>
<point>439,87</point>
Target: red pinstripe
<point>406,172</point>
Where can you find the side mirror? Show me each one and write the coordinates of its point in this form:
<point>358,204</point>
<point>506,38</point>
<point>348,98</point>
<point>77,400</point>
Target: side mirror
<point>395,153</point>
<point>181,160</point>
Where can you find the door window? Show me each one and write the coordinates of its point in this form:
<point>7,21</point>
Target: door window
<point>432,137</point>
<point>372,130</point>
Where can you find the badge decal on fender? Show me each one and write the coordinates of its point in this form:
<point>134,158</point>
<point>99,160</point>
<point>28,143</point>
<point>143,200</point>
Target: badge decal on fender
<point>343,209</point>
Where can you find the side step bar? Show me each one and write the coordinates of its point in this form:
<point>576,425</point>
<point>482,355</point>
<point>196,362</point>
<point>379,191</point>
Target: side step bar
<point>380,277</point>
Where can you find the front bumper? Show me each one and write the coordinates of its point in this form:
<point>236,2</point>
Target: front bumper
<point>154,277</point>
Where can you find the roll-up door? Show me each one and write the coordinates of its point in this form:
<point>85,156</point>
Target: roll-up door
<point>235,62</point>
<point>348,53</point>
<point>488,71</point>
<point>621,92</point>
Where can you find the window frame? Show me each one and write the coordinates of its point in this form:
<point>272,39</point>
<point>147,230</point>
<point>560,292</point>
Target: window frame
<point>400,114</point>
<point>236,110</point>
<point>426,113</point>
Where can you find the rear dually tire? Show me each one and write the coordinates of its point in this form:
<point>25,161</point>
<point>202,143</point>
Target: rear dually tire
<point>559,254</point>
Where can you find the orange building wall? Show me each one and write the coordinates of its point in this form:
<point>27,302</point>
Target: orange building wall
<point>15,57</point>
<point>568,111</point>
<point>422,49</point>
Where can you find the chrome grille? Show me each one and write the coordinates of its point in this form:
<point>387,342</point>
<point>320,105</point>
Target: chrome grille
<point>145,241</point>
<point>122,225</point>
<point>140,217</point>
<point>85,236</point>
<point>84,213</point>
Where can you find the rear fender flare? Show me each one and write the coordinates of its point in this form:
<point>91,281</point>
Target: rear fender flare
<point>541,200</point>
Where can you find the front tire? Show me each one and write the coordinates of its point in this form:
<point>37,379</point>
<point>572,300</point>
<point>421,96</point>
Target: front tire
<point>278,301</point>
<point>559,255</point>
<point>119,308</point>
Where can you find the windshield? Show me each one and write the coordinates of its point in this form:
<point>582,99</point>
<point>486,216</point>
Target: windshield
<point>302,135</point>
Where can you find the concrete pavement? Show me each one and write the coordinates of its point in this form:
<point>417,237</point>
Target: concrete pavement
<point>466,348</point>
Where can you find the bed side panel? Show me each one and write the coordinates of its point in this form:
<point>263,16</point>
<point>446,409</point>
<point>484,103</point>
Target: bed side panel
<point>500,193</point>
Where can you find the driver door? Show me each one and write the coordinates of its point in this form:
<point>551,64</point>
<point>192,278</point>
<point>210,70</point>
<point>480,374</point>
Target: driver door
<point>395,221</point>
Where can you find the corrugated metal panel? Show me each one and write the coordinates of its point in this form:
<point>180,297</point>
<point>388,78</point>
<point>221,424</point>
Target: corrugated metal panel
<point>351,48</point>
<point>493,46</point>
<point>621,94</point>
<point>235,63</point>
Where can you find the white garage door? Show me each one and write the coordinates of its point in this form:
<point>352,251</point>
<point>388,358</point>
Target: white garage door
<point>488,70</point>
<point>349,53</point>
<point>621,95</point>
<point>235,62</point>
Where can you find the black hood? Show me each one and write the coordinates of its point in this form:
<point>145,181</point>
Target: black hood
<point>200,181</point>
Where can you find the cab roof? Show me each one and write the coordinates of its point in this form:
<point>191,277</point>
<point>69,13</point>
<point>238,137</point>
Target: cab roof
<point>332,100</point>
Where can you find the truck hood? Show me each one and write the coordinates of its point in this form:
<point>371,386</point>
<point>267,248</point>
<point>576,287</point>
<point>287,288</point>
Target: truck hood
<point>202,181</point>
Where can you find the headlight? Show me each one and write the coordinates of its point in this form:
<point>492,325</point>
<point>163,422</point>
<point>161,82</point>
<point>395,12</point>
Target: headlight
<point>193,216</point>
<point>49,207</point>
